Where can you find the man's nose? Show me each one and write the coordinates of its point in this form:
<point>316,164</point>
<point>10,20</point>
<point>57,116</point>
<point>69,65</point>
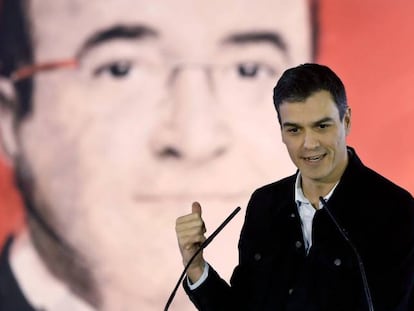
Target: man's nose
<point>310,140</point>
<point>194,130</point>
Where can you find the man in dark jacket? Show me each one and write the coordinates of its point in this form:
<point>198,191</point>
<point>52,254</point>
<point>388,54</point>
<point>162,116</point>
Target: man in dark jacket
<point>334,236</point>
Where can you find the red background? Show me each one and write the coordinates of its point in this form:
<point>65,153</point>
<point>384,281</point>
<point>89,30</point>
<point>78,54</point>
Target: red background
<point>369,44</point>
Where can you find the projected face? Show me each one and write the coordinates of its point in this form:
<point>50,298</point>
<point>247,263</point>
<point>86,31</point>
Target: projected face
<point>170,102</point>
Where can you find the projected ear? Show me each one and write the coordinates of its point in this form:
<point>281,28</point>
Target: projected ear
<point>8,102</point>
<point>347,120</point>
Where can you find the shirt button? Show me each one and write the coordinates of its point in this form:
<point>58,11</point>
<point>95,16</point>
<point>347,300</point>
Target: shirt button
<point>290,291</point>
<point>298,244</point>
<point>292,215</point>
<point>337,262</point>
<point>257,256</point>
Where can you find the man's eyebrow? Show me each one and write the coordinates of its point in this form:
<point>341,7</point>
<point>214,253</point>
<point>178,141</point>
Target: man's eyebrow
<point>291,124</point>
<point>129,32</point>
<point>316,123</point>
<point>254,37</point>
<point>323,120</point>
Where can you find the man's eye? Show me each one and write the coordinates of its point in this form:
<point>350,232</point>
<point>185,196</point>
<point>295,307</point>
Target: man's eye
<point>253,70</point>
<point>323,125</point>
<point>292,130</point>
<point>119,69</point>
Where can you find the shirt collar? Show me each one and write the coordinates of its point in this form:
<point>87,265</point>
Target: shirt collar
<point>300,197</point>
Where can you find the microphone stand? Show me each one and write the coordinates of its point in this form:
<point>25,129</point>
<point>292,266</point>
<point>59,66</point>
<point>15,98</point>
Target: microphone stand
<point>358,257</point>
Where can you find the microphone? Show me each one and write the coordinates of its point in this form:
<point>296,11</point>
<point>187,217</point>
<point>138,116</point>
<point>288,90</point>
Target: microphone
<point>358,257</point>
<point>202,246</point>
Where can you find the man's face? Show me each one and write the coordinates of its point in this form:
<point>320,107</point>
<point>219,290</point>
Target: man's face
<point>316,137</point>
<point>171,103</point>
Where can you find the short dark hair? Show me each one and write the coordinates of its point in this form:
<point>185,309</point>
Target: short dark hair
<point>16,48</point>
<point>298,83</point>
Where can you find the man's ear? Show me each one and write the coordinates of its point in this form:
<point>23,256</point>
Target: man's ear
<point>347,120</point>
<point>8,102</point>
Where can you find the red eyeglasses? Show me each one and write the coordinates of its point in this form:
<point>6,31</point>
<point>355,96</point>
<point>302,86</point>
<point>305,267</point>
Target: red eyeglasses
<point>28,71</point>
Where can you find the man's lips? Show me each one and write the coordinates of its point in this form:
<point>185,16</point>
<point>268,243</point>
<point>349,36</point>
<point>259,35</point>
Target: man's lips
<point>314,158</point>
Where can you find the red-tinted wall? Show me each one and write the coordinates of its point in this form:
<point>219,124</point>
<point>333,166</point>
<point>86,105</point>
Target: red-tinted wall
<point>369,44</point>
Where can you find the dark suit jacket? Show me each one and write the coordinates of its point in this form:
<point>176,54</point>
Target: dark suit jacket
<point>274,273</point>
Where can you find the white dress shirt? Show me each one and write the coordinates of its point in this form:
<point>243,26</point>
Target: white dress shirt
<point>307,211</point>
